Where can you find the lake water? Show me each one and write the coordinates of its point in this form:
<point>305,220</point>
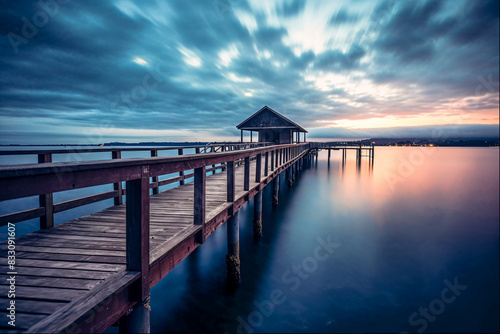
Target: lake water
<point>410,244</point>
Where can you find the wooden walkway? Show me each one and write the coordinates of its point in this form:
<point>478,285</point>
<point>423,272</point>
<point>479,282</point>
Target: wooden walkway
<point>73,276</point>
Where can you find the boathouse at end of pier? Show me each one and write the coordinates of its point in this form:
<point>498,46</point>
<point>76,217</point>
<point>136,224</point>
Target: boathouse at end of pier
<point>272,127</point>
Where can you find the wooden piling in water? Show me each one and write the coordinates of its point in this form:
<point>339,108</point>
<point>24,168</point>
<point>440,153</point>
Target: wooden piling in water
<point>233,248</point>
<point>257,219</point>
<point>276,189</point>
<point>289,176</point>
<point>138,320</point>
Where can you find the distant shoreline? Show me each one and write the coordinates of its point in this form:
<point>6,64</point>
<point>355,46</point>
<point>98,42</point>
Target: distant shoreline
<point>445,142</point>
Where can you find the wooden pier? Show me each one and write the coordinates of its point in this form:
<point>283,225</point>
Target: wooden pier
<point>95,271</point>
<point>359,149</point>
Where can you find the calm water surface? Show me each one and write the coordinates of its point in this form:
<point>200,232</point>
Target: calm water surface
<point>357,250</point>
<point>420,221</point>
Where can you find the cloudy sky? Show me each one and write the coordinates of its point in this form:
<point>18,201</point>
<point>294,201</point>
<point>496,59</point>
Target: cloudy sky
<point>96,71</point>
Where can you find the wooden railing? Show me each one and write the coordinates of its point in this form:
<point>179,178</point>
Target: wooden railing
<point>48,178</point>
<point>47,208</point>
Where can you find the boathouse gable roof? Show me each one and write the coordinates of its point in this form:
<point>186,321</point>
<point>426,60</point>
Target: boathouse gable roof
<point>267,118</point>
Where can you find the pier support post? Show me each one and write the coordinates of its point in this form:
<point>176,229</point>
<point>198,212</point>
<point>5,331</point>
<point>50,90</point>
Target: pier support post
<point>233,248</point>
<point>289,176</point>
<point>257,219</point>
<point>137,320</point>
<point>276,189</point>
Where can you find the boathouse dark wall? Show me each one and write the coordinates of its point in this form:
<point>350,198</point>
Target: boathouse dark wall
<point>272,127</point>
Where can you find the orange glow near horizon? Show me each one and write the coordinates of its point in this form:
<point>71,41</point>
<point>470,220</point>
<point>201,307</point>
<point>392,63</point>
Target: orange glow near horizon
<point>478,117</point>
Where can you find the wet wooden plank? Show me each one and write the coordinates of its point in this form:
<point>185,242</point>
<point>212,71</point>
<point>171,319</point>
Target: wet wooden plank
<point>71,257</point>
<point>69,250</point>
<point>71,313</point>
<point>51,282</point>
<point>32,306</point>
<point>23,321</point>
<point>43,293</point>
<point>65,265</point>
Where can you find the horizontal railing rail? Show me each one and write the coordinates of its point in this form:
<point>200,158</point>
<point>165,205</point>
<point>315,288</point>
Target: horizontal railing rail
<point>211,147</point>
<point>346,144</point>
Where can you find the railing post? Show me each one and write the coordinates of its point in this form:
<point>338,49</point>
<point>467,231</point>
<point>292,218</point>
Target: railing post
<point>154,153</point>
<point>272,160</point>
<point>117,186</point>
<point>266,165</point>
<point>258,167</point>
<point>46,201</point>
<point>180,151</point>
<point>197,150</point>
<point>246,182</point>
<point>231,184</point>
<point>137,251</point>
<point>200,178</point>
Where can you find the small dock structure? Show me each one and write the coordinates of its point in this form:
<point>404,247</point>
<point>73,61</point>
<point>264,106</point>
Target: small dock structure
<point>272,127</point>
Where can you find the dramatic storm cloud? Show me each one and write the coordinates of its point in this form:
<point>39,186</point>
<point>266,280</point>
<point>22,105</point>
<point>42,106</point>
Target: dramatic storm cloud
<point>96,71</point>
